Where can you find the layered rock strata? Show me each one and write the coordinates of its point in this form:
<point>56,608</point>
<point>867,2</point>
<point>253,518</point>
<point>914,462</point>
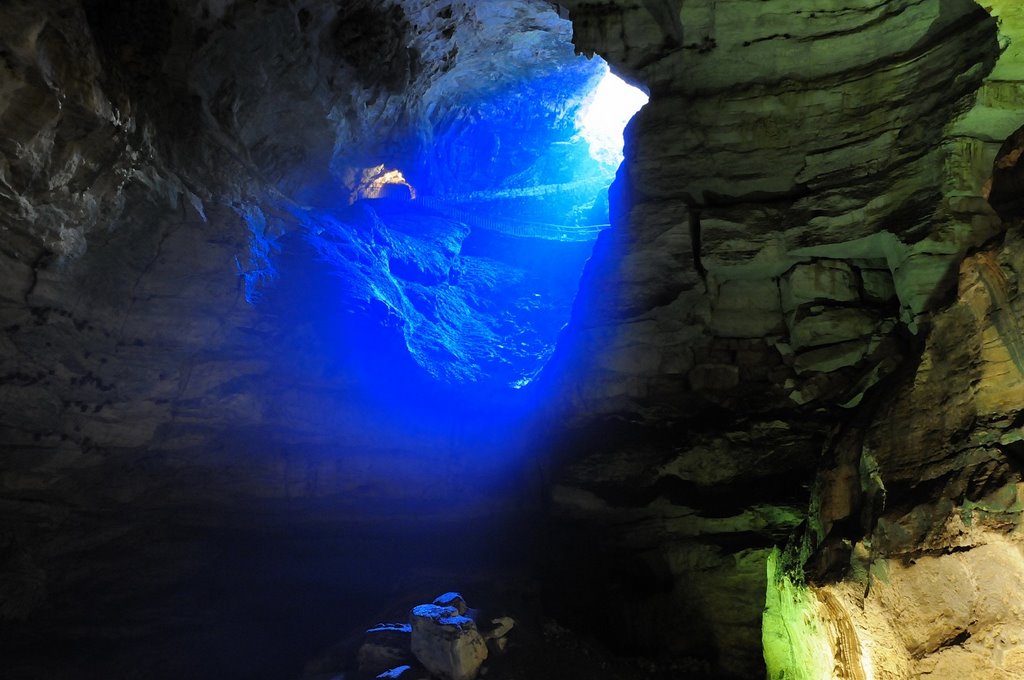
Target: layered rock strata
<point>797,200</point>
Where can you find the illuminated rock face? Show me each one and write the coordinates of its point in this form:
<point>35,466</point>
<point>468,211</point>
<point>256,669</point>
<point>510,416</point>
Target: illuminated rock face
<point>423,296</point>
<point>802,331</point>
<point>794,213</point>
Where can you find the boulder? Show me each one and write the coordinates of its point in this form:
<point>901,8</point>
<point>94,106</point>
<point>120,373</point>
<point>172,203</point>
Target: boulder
<point>446,642</point>
<point>502,626</point>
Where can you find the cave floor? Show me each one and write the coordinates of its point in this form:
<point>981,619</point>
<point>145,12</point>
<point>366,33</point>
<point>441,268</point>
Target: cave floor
<point>263,597</point>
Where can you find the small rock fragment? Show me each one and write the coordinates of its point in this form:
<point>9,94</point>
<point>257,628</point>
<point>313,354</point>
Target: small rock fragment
<point>386,646</point>
<point>497,643</point>
<point>452,600</point>
<point>502,626</point>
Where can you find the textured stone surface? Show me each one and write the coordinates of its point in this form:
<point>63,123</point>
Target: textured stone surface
<point>918,513</point>
<point>446,642</point>
<point>826,166</point>
<point>766,166</point>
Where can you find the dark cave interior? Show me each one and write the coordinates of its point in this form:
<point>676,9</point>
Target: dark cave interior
<point>312,311</point>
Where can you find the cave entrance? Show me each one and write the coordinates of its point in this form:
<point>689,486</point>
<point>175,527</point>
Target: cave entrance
<point>603,118</point>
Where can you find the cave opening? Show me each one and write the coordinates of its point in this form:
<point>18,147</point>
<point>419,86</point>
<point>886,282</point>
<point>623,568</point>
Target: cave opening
<point>439,281</point>
<point>434,280</point>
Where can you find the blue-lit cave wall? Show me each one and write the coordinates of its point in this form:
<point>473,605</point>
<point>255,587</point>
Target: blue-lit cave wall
<point>518,151</point>
<point>462,289</point>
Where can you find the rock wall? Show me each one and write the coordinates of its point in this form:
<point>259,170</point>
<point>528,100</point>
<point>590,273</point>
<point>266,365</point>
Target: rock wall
<point>789,177</point>
<point>779,295</point>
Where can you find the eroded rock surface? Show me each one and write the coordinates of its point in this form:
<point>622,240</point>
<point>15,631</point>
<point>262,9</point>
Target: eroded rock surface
<point>914,529</point>
<point>796,203</point>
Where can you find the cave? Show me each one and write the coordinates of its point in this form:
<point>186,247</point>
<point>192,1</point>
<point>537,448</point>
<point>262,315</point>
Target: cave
<point>338,341</point>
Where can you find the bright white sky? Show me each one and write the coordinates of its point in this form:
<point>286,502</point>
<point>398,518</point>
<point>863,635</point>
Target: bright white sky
<point>602,121</point>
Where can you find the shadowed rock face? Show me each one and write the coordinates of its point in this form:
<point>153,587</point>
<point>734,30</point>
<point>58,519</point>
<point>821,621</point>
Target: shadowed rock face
<point>223,402</point>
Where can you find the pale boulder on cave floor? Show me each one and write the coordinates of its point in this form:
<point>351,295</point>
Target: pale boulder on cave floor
<point>446,642</point>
